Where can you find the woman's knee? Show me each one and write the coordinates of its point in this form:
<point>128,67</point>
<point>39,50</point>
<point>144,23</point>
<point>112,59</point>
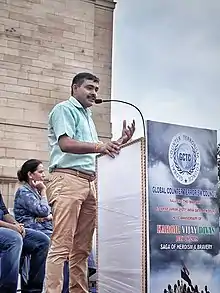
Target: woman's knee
<point>36,239</point>
<point>43,240</point>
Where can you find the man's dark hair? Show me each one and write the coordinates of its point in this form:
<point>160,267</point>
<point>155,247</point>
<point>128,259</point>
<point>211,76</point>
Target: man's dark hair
<point>81,77</point>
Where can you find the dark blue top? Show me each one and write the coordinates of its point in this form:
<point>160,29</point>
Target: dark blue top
<point>28,206</point>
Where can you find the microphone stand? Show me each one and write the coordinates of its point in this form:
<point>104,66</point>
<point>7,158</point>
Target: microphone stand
<point>145,213</point>
<point>99,101</point>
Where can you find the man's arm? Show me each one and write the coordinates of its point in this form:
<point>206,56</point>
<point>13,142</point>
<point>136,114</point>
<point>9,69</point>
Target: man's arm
<point>65,132</point>
<point>69,145</point>
<point>4,224</point>
<point>63,122</point>
<point>9,219</point>
<point>12,226</point>
<point>6,216</point>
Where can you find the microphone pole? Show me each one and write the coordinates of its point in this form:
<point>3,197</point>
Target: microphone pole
<point>100,101</point>
<point>144,187</point>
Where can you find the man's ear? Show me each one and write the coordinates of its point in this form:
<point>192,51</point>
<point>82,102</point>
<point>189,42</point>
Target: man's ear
<point>73,89</point>
<point>74,86</point>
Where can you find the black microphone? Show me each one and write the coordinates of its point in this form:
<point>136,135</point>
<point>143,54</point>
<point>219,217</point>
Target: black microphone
<point>100,101</point>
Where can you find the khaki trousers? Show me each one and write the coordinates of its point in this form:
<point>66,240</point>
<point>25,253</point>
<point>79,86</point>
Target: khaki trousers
<point>73,205</point>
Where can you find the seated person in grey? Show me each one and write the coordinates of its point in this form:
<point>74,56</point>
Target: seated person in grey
<point>15,241</point>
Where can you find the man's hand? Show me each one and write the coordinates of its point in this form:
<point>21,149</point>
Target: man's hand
<point>22,230</point>
<point>11,223</point>
<point>18,228</point>
<point>110,148</point>
<point>127,132</point>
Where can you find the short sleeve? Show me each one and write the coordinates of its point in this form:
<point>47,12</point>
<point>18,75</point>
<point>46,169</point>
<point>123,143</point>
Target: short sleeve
<point>2,206</point>
<point>63,121</point>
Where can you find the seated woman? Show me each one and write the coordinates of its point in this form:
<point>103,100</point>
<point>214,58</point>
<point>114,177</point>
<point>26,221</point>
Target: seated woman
<point>31,207</point>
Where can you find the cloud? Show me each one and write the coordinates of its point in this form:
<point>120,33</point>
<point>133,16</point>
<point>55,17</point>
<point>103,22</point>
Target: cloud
<point>166,60</point>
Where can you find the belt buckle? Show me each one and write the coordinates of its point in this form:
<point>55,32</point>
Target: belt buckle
<point>77,173</point>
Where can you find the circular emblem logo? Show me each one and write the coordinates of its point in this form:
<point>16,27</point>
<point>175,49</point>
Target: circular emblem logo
<point>184,158</point>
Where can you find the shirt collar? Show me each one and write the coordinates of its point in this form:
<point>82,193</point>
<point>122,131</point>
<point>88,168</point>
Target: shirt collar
<point>75,102</point>
<point>78,105</point>
<point>33,190</point>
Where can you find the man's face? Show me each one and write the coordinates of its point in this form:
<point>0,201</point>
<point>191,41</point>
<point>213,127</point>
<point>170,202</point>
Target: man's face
<point>86,93</point>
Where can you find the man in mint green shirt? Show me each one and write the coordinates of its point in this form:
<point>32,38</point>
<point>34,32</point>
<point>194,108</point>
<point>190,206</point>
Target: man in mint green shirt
<point>74,144</point>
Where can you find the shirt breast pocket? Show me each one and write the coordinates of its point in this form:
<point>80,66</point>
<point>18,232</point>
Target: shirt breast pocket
<point>83,131</point>
<point>79,134</point>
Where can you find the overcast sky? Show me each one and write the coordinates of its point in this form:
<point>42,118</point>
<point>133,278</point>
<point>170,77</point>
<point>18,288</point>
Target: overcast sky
<point>166,60</point>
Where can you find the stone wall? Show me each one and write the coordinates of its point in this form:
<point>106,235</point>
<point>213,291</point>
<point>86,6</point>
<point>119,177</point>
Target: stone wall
<point>42,45</point>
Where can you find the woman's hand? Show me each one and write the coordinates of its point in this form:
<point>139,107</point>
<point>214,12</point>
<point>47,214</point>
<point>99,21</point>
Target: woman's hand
<point>50,217</point>
<point>39,185</point>
<point>45,219</point>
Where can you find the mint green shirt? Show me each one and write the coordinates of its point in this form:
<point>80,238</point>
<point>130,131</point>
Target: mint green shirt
<point>70,118</point>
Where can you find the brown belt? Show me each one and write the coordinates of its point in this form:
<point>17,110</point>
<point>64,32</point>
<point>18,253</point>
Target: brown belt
<point>77,173</point>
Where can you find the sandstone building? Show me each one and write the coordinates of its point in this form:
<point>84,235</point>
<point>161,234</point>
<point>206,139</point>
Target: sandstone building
<point>43,43</point>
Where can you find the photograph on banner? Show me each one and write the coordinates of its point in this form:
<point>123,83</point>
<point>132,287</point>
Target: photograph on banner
<point>183,209</point>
